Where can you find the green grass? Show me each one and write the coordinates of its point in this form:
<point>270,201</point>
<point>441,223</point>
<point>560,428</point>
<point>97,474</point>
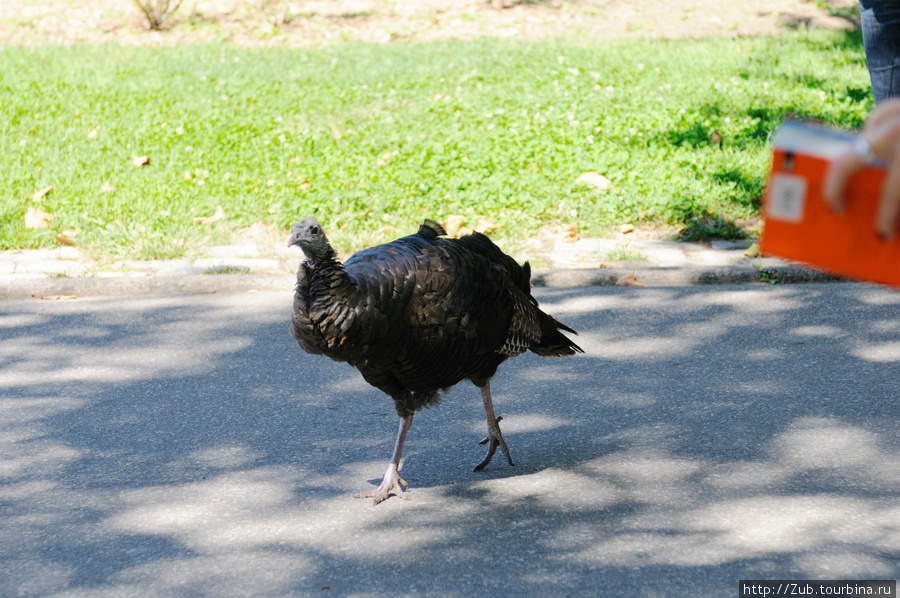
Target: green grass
<point>623,253</point>
<point>373,138</point>
<point>228,270</point>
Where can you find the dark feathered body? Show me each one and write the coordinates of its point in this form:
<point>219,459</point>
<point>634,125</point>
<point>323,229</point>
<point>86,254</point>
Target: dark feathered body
<point>422,313</point>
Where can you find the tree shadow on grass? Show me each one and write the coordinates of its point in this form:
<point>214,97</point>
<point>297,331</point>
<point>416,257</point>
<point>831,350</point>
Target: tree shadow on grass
<point>709,226</point>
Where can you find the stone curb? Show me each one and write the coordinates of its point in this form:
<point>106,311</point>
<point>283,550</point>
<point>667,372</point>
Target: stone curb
<point>649,276</point>
<point>65,272</point>
<point>190,284</point>
<point>682,276</point>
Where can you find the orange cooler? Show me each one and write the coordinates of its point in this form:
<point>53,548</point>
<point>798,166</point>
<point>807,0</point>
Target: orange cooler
<point>800,226</point>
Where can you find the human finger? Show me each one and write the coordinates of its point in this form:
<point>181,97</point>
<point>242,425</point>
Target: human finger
<point>883,136</point>
<point>889,207</point>
<point>885,111</point>
<point>839,172</point>
<point>880,139</point>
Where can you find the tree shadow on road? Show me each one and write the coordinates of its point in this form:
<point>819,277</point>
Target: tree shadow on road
<point>186,446</point>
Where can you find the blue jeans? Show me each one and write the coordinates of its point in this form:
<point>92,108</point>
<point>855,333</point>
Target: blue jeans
<point>881,38</point>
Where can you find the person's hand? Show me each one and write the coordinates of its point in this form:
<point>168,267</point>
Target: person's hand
<point>880,138</point>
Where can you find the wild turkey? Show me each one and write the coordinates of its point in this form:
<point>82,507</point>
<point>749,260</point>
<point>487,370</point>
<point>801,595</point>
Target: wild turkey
<point>418,315</point>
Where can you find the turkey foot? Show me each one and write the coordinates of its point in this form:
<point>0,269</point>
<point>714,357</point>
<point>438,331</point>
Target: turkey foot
<point>495,438</point>
<point>488,437</point>
<point>391,484</point>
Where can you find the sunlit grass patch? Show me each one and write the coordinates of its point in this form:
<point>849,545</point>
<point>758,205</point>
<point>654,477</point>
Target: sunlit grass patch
<point>372,139</point>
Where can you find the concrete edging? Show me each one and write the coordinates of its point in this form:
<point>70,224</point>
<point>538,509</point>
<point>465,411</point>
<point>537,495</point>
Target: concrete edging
<point>122,286</point>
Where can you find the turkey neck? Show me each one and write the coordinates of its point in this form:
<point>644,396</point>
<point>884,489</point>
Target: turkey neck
<point>329,279</point>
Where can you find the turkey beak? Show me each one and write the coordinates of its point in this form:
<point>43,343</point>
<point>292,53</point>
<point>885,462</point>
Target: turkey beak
<point>293,240</point>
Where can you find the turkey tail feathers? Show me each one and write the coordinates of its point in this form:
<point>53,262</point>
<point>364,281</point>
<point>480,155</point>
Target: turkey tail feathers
<point>431,230</point>
<point>563,327</point>
<point>554,343</point>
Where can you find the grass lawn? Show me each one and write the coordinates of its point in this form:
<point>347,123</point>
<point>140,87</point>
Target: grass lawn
<point>373,138</point>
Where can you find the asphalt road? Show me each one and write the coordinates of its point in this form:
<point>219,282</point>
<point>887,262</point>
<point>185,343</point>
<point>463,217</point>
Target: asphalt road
<point>186,446</point>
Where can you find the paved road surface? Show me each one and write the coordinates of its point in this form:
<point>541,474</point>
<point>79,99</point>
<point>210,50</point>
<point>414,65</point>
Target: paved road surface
<point>185,446</point>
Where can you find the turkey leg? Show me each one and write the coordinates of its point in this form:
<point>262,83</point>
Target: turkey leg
<point>392,482</point>
<point>494,437</point>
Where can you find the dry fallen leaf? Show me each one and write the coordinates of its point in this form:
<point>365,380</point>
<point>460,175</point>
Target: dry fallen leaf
<point>37,218</point>
<point>107,187</point>
<point>218,215</point>
<point>453,224</point>
<point>595,180</point>
<point>753,251</point>
<point>38,195</point>
<point>485,226</point>
<point>570,232</point>
<point>139,161</point>
<point>626,228</point>
<point>629,281</point>
<point>58,297</point>
<point>256,228</point>
<point>64,238</point>
<point>260,232</point>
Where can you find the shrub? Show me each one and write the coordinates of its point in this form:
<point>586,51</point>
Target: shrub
<point>157,11</point>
